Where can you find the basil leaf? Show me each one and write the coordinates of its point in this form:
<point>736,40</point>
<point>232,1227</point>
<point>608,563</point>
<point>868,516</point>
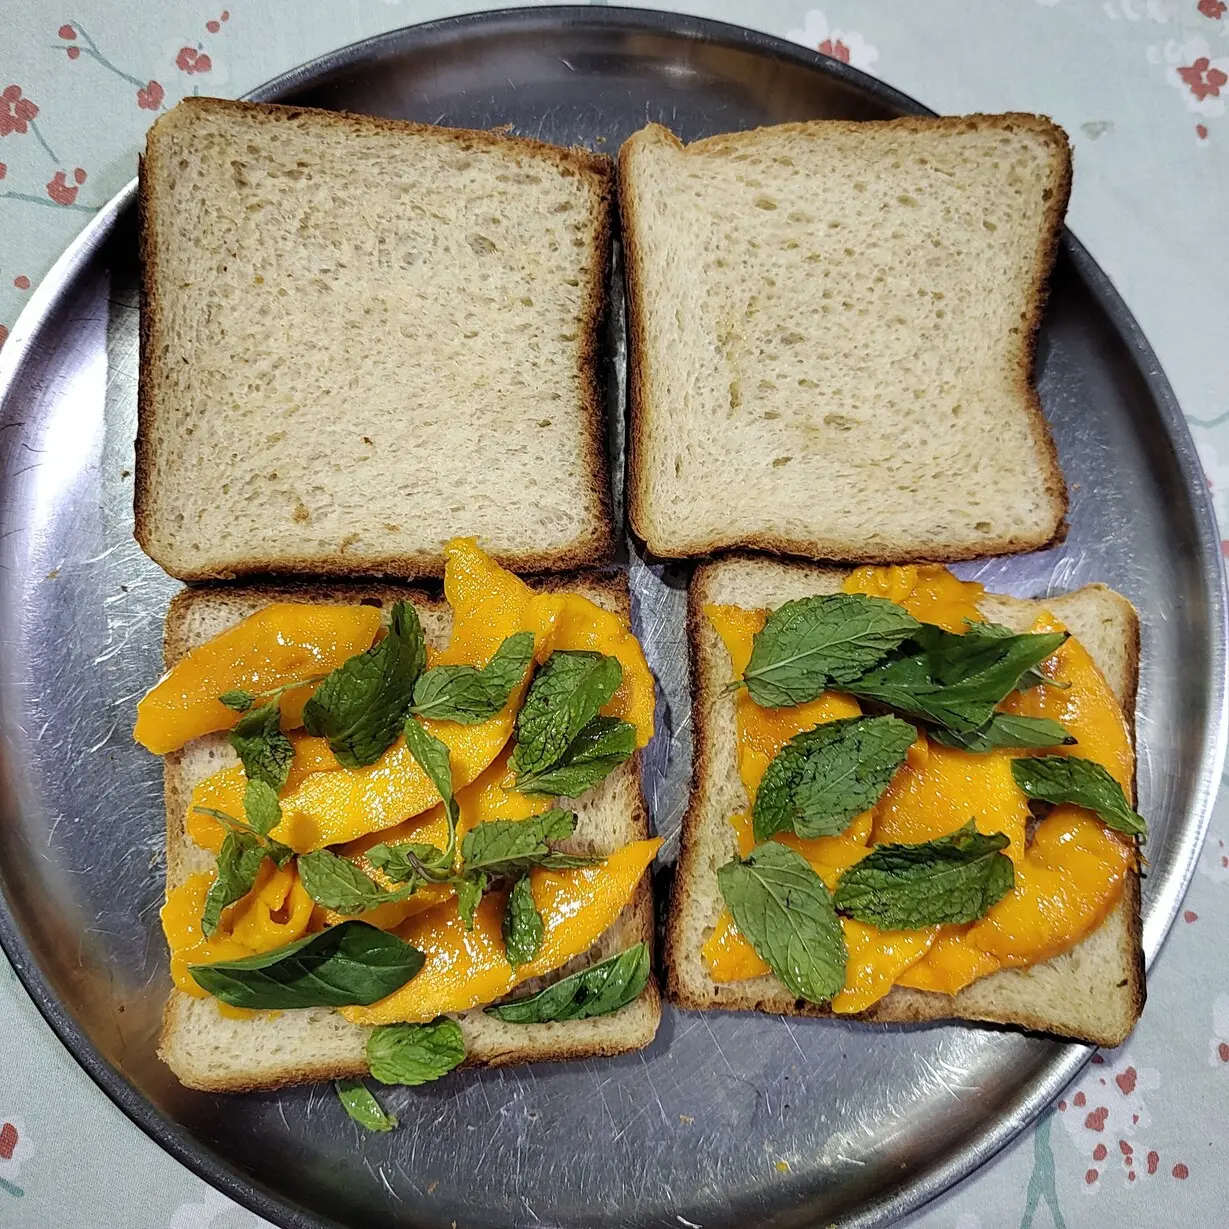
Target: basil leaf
<point>563,698</point>
<point>468,695</point>
<point>596,991</point>
<point>1006,730</point>
<point>238,699</point>
<point>357,1100</point>
<point>360,706</point>
<point>239,862</point>
<point>590,757</point>
<point>523,927</point>
<point>510,846</point>
<point>811,643</point>
<point>1082,783</point>
<point>259,742</point>
<point>415,1053</point>
<point>784,910</point>
<point>348,965</point>
<point>395,862</point>
<point>469,895</point>
<point>954,879</point>
<point>432,757</point>
<point>336,883</point>
<point>261,807</point>
<point>824,777</point>
<point>954,681</point>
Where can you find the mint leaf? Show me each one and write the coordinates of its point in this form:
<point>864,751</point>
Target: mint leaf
<point>468,695</point>
<point>596,991</point>
<point>348,965</point>
<point>415,1053</point>
<point>822,778</point>
<point>357,1100</point>
<point>523,928</point>
<point>360,706</point>
<point>564,697</point>
<point>1006,730</point>
<point>432,757</point>
<point>603,744</point>
<point>238,699</point>
<point>1082,783</point>
<point>261,806</point>
<point>810,644</point>
<point>401,862</point>
<point>239,862</point>
<point>336,883</point>
<point>784,910</point>
<point>511,846</point>
<point>954,879</point>
<point>954,681</point>
<point>259,742</point>
<point>470,888</point>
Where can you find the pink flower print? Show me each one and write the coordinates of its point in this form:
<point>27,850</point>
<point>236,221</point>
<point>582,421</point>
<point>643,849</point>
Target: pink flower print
<point>190,60</point>
<point>837,50</point>
<point>62,192</point>
<point>1215,9</point>
<point>1202,79</point>
<point>150,96</point>
<point>16,112</point>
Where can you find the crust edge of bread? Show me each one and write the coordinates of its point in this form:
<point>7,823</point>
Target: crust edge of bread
<point>909,1007</point>
<point>594,548</point>
<point>643,1015</point>
<point>809,549</point>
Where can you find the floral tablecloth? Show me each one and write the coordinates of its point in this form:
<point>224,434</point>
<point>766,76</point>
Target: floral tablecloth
<point>1140,85</point>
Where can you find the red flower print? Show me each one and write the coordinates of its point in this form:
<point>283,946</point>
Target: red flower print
<point>1215,9</point>
<point>62,192</point>
<point>189,60</point>
<point>16,112</point>
<point>1202,79</point>
<point>1201,132</point>
<point>150,96</point>
<point>8,1132</point>
<point>1181,1172</point>
<point>73,52</point>
<point>22,282</point>
<point>213,26</point>
<point>4,170</point>
<point>837,50</point>
<point>4,336</point>
<point>67,32</point>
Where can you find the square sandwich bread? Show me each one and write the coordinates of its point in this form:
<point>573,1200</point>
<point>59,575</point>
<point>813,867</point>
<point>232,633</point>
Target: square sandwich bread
<point>209,1050</point>
<point>1094,991</point>
<point>361,337</point>
<point>832,328</point>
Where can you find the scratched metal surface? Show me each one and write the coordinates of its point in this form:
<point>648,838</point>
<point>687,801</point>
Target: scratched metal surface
<point>724,1120</point>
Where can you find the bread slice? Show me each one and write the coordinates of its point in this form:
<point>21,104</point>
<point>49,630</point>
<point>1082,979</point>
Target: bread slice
<point>832,328</point>
<point>207,1050</point>
<point>361,337</point>
<point>1094,992</point>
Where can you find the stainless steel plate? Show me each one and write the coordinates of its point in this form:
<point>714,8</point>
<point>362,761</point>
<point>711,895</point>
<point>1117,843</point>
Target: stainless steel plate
<point>724,1120</point>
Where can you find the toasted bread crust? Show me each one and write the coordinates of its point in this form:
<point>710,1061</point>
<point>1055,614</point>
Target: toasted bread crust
<point>594,548</point>
<point>901,1005</point>
<point>639,378</point>
<point>565,1041</point>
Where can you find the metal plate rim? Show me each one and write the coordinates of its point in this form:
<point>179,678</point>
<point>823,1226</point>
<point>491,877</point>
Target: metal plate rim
<point>1069,1059</point>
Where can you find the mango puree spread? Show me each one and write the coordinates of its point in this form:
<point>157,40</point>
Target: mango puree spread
<point>393,800</point>
<point>1068,875</point>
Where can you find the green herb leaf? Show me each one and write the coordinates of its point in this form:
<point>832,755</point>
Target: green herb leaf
<point>812,643</point>
<point>954,681</point>
<point>360,706</point>
<point>954,879</point>
<point>432,757</point>
<point>563,698</point>
<point>395,860</point>
<point>511,846</point>
<point>824,777</point>
<point>238,699</point>
<point>415,1053</point>
<point>470,888</point>
<point>357,1100</point>
<point>348,965</point>
<point>1006,730</point>
<point>784,910</point>
<point>259,742</point>
<point>590,757</point>
<point>1083,783</point>
<point>523,928</point>
<point>336,883</point>
<point>261,806</point>
<point>468,695</point>
<point>239,862</point>
<point>596,991</point>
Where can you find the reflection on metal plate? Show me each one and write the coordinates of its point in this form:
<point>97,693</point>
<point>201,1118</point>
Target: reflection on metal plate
<point>725,1120</point>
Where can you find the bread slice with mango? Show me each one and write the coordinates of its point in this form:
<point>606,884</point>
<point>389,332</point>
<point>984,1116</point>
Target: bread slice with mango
<point>1092,990</point>
<point>214,1048</point>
